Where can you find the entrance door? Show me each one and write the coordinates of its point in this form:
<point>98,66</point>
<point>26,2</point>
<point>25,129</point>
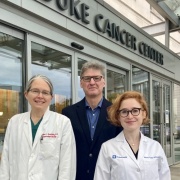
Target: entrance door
<point>161,108</point>
<point>176,123</point>
<point>116,82</point>
<point>11,76</point>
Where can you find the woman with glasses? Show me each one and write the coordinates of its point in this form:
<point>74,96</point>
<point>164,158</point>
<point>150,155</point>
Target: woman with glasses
<point>39,144</point>
<point>131,155</point>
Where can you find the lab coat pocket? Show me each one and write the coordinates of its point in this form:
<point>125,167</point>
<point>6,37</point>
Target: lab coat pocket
<point>151,169</point>
<point>48,147</point>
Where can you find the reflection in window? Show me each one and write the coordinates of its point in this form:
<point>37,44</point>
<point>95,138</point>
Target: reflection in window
<point>176,124</point>
<point>167,128</point>
<point>11,50</point>
<point>116,84</point>
<point>80,90</point>
<point>57,67</point>
<point>156,110</point>
<point>140,83</point>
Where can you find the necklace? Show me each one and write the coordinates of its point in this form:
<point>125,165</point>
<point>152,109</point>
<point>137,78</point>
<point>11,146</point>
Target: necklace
<point>132,144</point>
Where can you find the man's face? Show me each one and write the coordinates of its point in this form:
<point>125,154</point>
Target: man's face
<point>92,83</point>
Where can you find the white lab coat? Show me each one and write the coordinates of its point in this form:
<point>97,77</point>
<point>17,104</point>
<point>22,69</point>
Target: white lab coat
<point>116,161</point>
<point>52,156</point>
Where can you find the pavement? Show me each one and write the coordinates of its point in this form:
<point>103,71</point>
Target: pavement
<point>175,172</point>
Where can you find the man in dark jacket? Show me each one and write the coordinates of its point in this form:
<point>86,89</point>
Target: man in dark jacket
<point>89,120</point>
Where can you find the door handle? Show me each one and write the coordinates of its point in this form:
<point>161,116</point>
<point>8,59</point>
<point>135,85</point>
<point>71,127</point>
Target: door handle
<point>175,134</point>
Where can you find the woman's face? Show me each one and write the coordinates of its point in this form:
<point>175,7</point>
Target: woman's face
<point>39,95</point>
<point>131,114</point>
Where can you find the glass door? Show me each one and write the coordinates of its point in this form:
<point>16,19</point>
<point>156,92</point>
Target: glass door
<point>167,144</point>
<point>161,108</point>
<point>116,82</point>
<point>176,123</point>
<point>11,76</point>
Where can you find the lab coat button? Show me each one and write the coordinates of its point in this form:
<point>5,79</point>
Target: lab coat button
<point>31,157</point>
<point>138,170</point>
<point>30,174</point>
<point>90,155</point>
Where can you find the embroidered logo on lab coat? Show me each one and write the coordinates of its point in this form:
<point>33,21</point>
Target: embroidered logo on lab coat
<point>49,135</point>
<point>117,156</point>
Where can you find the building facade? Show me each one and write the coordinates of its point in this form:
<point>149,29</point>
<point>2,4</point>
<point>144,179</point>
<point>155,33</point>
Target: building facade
<point>55,37</point>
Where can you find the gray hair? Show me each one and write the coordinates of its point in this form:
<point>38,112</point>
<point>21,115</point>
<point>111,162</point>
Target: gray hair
<point>46,79</point>
<point>92,65</point>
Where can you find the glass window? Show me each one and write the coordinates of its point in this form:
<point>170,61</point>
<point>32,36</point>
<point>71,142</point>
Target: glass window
<point>140,83</point>
<point>57,66</point>
<point>156,110</point>
<point>116,84</point>
<point>176,124</point>
<point>11,96</point>
<point>167,119</point>
<point>80,90</point>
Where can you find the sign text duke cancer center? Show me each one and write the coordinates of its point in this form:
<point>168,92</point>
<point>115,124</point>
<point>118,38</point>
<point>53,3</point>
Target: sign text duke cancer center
<point>103,25</point>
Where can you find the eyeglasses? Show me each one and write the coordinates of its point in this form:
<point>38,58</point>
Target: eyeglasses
<point>88,78</point>
<point>37,92</point>
<point>125,112</point>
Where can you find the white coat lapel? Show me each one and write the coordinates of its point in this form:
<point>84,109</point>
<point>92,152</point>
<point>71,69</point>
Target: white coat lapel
<point>142,148</point>
<point>41,128</point>
<point>27,129</point>
<point>125,146</point>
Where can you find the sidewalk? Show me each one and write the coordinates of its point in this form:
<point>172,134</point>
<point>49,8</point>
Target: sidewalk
<point>175,172</point>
